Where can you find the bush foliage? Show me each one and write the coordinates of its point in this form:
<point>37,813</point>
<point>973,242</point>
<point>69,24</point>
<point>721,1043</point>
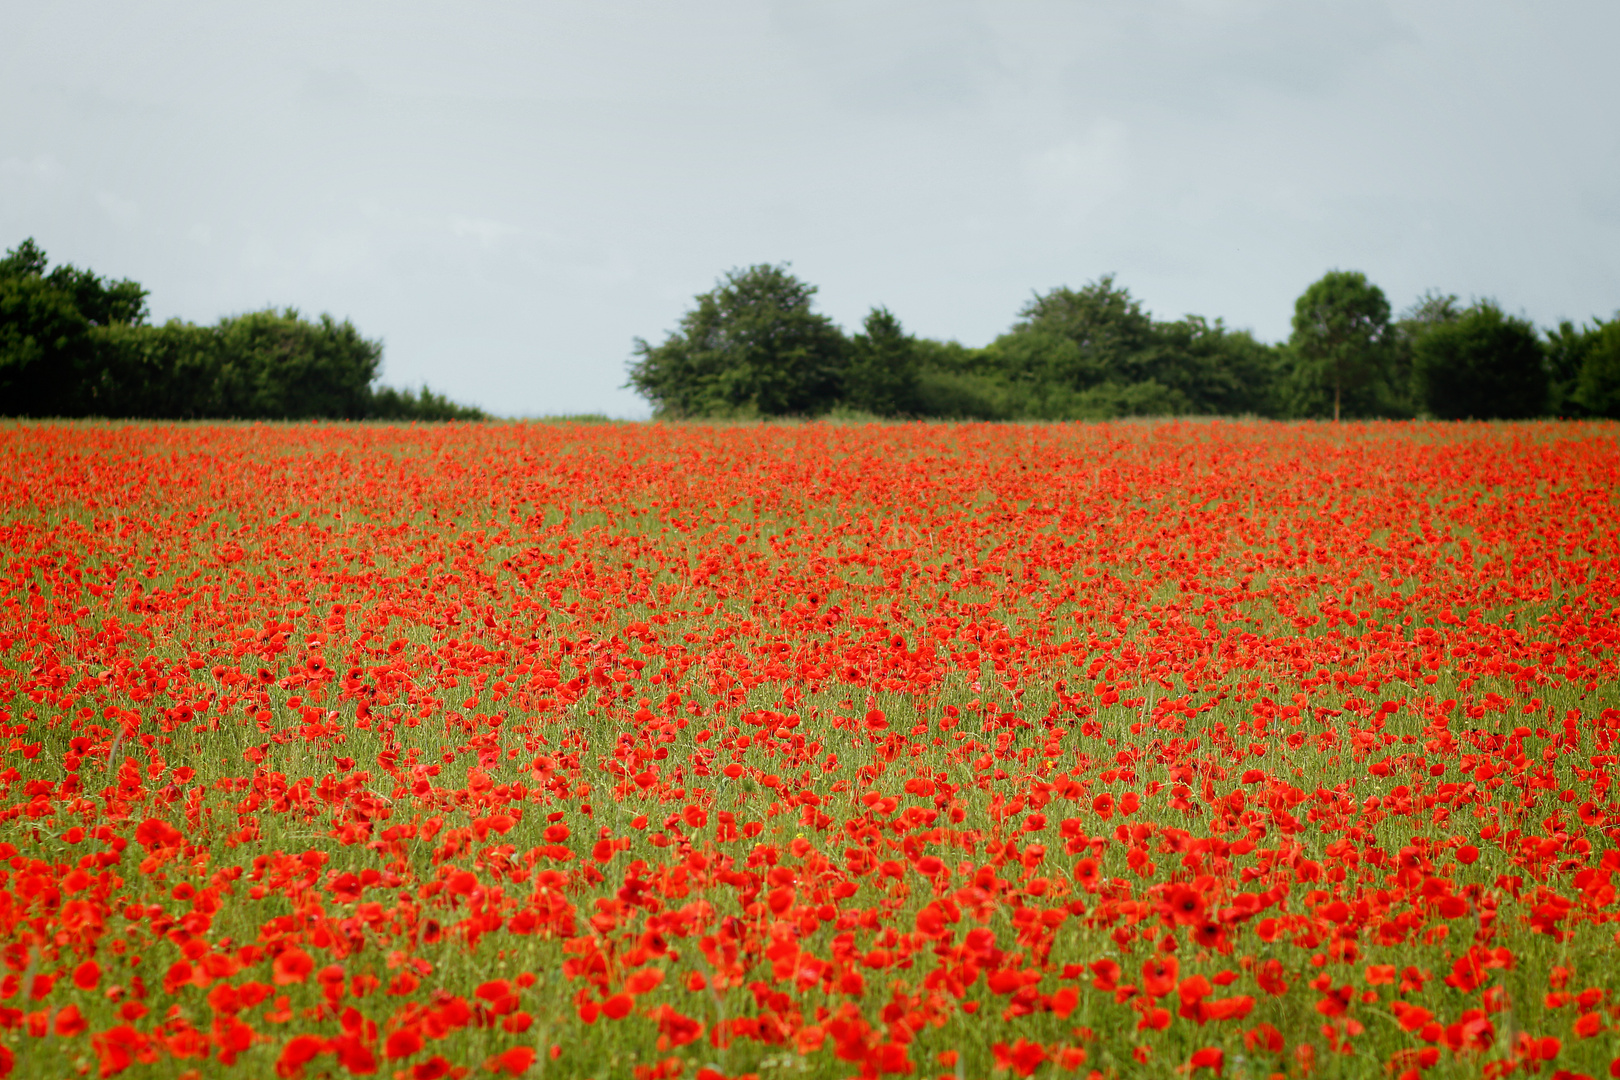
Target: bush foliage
<point>753,346</point>
<point>1483,364</point>
<point>75,344</point>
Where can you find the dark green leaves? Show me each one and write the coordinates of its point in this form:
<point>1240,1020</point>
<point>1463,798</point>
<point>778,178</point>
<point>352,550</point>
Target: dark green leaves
<point>881,377</point>
<point>1340,347</point>
<point>1597,381</point>
<point>47,358</point>
<point>75,344</point>
<point>752,346</point>
<point>1480,364</point>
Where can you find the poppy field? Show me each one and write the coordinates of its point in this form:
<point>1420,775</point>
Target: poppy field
<point>809,750</point>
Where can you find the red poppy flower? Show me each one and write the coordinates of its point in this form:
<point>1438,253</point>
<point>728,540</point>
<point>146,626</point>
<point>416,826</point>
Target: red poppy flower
<point>402,1044</point>
<point>1159,975</point>
<point>292,965</point>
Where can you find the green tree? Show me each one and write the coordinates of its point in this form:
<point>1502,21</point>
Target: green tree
<point>101,301</point>
<point>751,346</point>
<point>47,360</point>
<point>1075,339</point>
<point>881,377</point>
<point>24,260</point>
<point>955,382</point>
<point>1096,352</point>
<point>43,344</point>
<point>1218,371</point>
<point>263,365</point>
<point>1340,344</point>
<point>76,344</point>
<point>277,365</point>
<point>1583,369</point>
<point>1434,308</point>
<point>1597,388</point>
<point>1566,349</point>
<point>386,403</point>
<point>167,372</point>
<point>1482,364</point>
<point>1082,354</point>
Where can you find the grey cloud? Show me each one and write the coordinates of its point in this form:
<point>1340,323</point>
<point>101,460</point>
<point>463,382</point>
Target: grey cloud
<point>890,57</point>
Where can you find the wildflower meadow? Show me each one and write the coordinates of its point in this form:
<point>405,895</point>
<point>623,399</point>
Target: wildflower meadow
<point>1177,749</point>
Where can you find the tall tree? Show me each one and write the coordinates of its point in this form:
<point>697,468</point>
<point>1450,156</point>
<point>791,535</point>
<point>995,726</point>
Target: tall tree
<point>46,317</point>
<point>277,364</point>
<point>1583,368</point>
<point>1096,352</point>
<point>1075,339</point>
<point>1340,339</point>
<point>882,373</point>
<point>1482,364</point>
<point>73,343</point>
<point>1597,387</point>
<point>1216,369</point>
<point>1567,346</point>
<point>1434,308</point>
<point>751,346</point>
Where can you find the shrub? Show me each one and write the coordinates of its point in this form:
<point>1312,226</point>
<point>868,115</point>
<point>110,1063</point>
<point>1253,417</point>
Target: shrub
<point>1597,388</point>
<point>1484,365</point>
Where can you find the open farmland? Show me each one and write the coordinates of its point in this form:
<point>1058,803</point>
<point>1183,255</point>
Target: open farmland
<point>809,750</point>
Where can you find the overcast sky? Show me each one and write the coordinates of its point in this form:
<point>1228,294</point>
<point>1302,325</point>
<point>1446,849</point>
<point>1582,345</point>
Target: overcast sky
<point>509,194</point>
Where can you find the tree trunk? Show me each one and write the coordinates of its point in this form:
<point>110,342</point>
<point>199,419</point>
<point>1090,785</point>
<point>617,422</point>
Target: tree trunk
<point>1335,401</point>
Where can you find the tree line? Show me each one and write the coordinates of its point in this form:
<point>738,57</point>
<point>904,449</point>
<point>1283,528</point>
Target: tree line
<point>754,346</point>
<point>75,344</point>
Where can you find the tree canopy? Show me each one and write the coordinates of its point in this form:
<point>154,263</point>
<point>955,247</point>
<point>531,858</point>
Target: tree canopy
<point>1097,352</point>
<point>881,375</point>
<point>754,346</point>
<point>73,343</point>
<point>1480,364</point>
<point>1340,345</point>
<point>47,355</point>
<point>751,346</point>
<point>1597,384</point>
